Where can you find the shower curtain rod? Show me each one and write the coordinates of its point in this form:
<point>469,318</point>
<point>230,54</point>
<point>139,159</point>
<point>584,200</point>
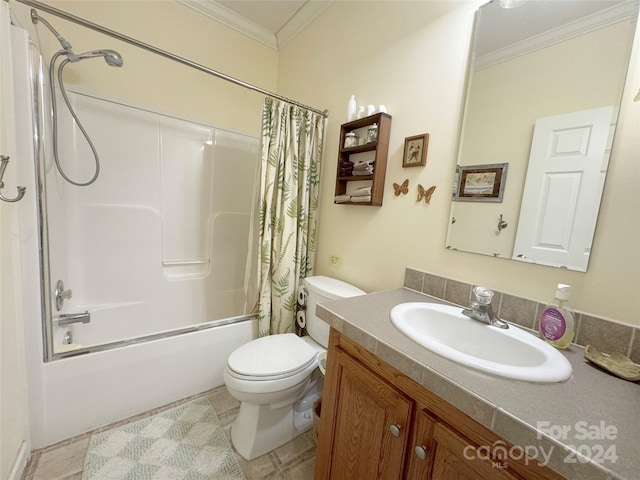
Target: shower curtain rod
<point>98,28</point>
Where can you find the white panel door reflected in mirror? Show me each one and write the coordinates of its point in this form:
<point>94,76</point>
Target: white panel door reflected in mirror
<point>541,59</point>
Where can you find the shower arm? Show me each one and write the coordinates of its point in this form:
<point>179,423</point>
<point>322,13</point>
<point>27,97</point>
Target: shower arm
<point>35,18</point>
<point>163,53</point>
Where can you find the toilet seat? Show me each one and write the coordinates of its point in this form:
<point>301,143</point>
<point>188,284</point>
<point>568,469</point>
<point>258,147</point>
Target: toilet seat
<point>271,358</point>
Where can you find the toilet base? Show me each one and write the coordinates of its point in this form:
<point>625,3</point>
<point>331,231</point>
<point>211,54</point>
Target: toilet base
<point>259,429</point>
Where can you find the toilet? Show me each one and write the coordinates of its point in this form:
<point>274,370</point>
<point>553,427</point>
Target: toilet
<point>276,378</point>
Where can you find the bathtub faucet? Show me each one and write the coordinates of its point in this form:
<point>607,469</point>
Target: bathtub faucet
<point>68,318</point>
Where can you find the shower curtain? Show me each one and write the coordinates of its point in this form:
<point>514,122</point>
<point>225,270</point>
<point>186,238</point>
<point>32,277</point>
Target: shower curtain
<point>289,177</point>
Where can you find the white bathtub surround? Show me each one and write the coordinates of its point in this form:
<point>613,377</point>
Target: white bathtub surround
<point>160,240</point>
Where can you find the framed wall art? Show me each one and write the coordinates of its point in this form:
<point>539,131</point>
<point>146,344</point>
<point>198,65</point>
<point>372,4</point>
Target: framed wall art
<point>415,151</point>
<point>480,183</point>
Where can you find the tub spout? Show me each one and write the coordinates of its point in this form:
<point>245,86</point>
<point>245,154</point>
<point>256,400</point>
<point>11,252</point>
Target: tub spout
<point>68,318</point>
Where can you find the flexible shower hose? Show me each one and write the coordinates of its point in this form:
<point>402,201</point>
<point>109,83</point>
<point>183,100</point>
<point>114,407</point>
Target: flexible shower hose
<point>75,117</point>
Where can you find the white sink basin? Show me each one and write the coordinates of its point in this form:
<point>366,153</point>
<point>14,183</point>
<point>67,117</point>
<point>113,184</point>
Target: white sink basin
<point>511,353</point>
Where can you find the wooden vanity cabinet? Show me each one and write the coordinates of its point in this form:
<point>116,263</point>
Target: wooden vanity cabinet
<point>366,412</point>
<point>377,423</point>
<point>449,463</point>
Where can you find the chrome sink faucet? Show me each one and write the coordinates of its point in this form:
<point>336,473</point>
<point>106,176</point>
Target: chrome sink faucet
<point>481,310</point>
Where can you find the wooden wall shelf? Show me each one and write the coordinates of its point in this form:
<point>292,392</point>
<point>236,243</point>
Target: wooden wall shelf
<point>380,149</point>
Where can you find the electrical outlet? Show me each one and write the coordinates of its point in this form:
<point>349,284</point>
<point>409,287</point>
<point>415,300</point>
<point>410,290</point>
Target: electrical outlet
<point>335,260</point>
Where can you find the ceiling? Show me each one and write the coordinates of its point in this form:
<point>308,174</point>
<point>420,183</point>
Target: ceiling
<point>276,22</point>
<point>504,27</point>
<point>503,34</point>
<point>272,15</point>
<point>272,22</point>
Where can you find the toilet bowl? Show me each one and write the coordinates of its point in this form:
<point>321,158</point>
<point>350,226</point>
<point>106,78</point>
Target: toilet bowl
<point>276,378</point>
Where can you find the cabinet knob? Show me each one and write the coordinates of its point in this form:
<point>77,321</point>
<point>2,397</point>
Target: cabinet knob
<point>421,452</point>
<point>395,429</point>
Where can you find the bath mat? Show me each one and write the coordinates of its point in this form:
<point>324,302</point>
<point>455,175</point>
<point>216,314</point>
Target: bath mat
<point>183,443</point>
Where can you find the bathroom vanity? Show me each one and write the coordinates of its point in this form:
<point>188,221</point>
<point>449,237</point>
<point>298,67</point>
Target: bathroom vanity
<point>377,423</point>
<point>392,409</point>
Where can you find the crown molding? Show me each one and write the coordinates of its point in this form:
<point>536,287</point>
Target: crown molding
<point>301,20</point>
<point>604,18</point>
<point>233,20</point>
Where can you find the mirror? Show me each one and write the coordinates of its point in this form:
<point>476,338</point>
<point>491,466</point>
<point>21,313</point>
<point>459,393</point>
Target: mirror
<point>544,87</point>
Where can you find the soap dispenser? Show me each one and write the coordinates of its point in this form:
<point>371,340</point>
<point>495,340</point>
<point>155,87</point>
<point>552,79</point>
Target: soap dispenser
<point>557,325</point>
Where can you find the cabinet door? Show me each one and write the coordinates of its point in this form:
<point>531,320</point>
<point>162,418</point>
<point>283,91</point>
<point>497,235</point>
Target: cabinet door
<point>421,447</point>
<point>456,459</point>
<point>370,428</point>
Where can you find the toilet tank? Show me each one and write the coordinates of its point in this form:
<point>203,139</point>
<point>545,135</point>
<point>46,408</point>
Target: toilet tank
<point>320,289</point>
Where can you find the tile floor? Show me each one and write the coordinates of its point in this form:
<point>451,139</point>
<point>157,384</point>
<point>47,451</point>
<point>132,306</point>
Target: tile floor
<point>293,461</point>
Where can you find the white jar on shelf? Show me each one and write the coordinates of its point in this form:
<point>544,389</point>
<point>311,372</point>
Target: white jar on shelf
<point>350,140</point>
<point>372,133</point>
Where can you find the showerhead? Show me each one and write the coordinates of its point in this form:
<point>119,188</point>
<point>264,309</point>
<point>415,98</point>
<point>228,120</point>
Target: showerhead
<point>113,58</point>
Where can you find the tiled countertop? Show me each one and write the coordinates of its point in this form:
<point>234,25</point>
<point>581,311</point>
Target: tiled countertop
<point>548,420</point>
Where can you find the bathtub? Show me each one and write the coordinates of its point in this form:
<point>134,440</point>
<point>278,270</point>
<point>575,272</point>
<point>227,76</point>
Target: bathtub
<point>79,393</point>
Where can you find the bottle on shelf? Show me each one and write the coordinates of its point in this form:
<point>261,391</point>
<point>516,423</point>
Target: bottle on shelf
<point>351,109</point>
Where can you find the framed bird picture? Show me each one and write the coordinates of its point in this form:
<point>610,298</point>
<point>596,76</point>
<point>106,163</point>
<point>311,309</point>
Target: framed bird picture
<point>415,151</point>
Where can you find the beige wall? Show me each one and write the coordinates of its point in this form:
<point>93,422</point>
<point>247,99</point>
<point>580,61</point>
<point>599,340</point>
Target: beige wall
<point>412,57</point>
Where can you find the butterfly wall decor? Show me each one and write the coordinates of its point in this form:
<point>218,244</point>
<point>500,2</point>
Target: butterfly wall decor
<point>426,194</point>
<point>404,188</point>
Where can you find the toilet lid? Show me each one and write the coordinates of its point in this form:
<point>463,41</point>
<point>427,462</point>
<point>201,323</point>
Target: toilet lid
<point>332,288</point>
<point>275,355</point>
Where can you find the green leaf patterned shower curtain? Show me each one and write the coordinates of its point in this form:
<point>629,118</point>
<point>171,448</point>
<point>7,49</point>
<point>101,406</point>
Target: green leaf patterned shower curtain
<point>292,139</point>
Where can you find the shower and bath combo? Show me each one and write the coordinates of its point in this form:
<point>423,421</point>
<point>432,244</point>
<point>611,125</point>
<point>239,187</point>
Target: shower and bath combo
<point>111,57</point>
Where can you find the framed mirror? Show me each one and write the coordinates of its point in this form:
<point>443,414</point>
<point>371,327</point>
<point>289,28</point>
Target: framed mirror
<point>544,87</point>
